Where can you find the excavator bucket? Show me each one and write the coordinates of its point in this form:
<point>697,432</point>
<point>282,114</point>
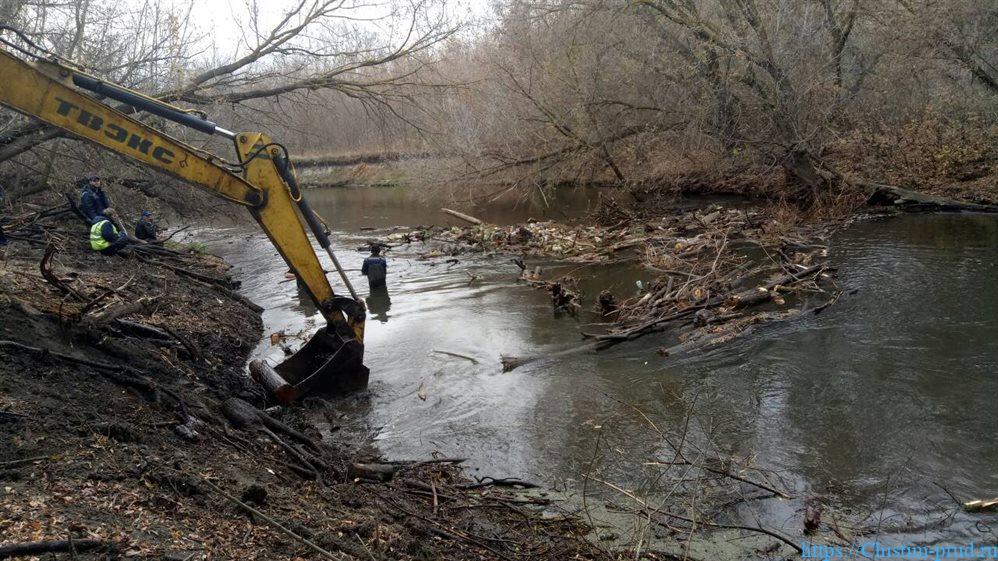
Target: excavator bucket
<point>332,361</point>
<point>326,365</point>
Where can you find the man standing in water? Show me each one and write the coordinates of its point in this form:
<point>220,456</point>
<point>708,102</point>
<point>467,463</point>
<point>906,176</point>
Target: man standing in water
<point>375,268</point>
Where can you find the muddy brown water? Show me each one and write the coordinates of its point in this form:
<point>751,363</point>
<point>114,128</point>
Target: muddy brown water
<point>875,404</point>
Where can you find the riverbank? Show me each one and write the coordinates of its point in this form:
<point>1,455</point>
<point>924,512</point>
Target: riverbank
<point>121,386</point>
<point>961,168</point>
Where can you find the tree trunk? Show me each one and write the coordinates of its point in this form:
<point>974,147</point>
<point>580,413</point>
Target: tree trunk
<point>800,169</point>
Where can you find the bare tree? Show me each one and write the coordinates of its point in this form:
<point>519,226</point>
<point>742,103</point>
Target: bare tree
<point>315,45</point>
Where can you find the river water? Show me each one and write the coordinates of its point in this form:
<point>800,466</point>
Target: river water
<point>874,405</point>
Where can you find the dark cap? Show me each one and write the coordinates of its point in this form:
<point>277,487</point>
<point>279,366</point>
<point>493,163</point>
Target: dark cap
<point>146,213</point>
<point>92,176</point>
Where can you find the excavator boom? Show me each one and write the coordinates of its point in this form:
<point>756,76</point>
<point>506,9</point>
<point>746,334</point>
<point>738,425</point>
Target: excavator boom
<point>48,91</point>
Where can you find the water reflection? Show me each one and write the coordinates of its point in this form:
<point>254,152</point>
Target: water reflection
<point>304,303</point>
<point>893,384</point>
<point>378,303</point>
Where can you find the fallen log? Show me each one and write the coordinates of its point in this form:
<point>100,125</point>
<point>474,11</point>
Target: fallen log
<point>229,293</point>
<point>128,308</point>
<point>188,273</point>
<point>8,551</point>
<point>244,416</point>
<point>276,386</point>
<point>22,461</point>
<point>142,330</point>
<point>124,375</point>
<point>372,472</point>
<point>280,527</point>
<point>46,268</point>
<point>222,286</point>
<point>192,349</point>
<point>913,201</point>
<point>12,417</point>
<point>462,216</point>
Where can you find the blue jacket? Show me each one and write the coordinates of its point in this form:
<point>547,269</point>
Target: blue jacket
<point>372,260</point>
<point>375,268</point>
<point>93,203</point>
<point>145,230</point>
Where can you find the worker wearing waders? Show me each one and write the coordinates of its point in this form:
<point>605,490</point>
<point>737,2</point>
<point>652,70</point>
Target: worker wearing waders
<point>104,235</point>
<point>375,268</point>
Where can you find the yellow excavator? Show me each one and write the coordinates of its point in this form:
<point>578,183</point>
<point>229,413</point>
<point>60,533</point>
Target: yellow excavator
<point>262,180</point>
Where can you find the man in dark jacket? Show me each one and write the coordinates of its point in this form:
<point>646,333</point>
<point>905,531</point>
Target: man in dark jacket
<point>104,235</point>
<point>93,199</point>
<point>375,268</point>
<point>145,228</point>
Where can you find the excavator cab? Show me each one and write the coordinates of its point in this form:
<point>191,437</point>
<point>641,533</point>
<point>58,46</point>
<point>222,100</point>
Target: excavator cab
<point>262,180</point>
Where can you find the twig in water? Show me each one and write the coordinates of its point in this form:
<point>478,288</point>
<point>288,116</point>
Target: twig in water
<point>647,509</point>
<point>457,355</point>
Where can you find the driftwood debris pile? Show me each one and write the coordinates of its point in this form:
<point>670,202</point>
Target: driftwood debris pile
<point>718,272</point>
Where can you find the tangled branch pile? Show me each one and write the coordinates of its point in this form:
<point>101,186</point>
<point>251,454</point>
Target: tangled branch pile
<point>715,267</point>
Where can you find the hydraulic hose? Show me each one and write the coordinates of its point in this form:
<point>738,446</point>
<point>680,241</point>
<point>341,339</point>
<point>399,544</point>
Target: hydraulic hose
<point>314,224</point>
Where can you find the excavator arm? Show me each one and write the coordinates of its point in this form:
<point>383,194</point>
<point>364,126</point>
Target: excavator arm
<point>51,93</point>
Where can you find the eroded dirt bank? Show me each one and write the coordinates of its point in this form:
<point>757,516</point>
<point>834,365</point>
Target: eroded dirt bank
<point>130,429</point>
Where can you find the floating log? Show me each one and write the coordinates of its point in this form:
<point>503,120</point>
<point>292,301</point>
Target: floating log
<point>981,505</point>
<point>276,386</point>
<point>462,216</point>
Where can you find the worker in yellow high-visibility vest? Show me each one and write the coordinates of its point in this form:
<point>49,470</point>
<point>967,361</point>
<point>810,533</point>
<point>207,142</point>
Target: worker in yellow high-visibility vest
<point>104,235</point>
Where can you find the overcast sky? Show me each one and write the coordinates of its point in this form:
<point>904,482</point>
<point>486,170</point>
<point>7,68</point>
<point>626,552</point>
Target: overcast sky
<point>225,21</point>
